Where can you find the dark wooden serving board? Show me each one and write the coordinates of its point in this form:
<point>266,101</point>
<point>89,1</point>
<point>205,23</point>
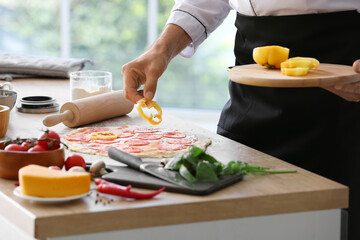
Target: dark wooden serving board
<point>126,176</point>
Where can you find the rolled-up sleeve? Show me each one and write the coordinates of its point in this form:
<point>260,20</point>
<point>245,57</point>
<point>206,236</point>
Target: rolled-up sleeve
<point>198,18</point>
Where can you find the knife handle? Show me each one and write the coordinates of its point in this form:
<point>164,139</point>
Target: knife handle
<point>126,158</point>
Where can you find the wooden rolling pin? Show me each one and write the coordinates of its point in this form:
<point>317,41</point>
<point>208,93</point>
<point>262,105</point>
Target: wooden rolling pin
<point>91,109</point>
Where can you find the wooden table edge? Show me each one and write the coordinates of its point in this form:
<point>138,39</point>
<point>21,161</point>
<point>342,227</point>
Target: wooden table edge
<point>155,216</point>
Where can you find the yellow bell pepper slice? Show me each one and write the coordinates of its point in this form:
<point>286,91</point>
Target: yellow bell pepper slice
<point>270,56</point>
<point>298,66</point>
<point>295,72</point>
<point>153,119</point>
<point>103,135</point>
<point>296,63</point>
<point>311,63</point>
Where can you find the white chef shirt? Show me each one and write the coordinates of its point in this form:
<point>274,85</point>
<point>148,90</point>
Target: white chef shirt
<point>201,17</point>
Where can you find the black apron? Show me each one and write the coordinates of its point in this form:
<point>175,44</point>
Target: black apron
<point>309,127</point>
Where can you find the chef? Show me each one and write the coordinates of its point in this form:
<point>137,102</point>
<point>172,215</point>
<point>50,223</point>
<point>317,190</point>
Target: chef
<point>315,128</point>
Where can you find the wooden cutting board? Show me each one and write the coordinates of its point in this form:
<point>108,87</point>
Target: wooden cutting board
<point>325,75</point>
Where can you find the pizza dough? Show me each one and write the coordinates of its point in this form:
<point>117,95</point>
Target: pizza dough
<point>144,142</point>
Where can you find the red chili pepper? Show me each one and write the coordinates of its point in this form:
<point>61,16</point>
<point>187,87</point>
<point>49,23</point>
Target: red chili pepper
<point>118,190</point>
<point>100,181</point>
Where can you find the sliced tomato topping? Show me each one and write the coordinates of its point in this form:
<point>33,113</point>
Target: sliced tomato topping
<point>146,130</point>
<point>174,134</point>
<point>106,141</point>
<point>98,147</point>
<point>183,141</point>
<point>100,130</point>
<point>91,130</point>
<point>125,134</point>
<point>75,138</point>
<point>129,149</point>
<point>136,142</point>
<point>149,136</point>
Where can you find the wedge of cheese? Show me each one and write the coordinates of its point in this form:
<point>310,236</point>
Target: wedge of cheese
<point>44,182</point>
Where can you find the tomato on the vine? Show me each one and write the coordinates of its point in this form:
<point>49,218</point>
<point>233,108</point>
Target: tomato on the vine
<point>37,148</point>
<point>14,147</point>
<point>27,145</point>
<point>50,140</point>
<point>75,160</point>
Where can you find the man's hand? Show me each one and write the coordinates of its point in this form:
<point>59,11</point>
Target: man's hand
<point>349,92</point>
<point>147,68</point>
<point>144,70</point>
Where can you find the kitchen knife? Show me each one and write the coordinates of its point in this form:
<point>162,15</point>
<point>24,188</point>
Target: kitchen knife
<point>151,168</point>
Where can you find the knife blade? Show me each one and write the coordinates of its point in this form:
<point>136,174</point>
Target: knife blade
<point>150,168</point>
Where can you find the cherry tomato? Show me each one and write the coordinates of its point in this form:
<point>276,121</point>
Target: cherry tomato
<point>37,148</point>
<point>14,147</point>
<point>54,168</point>
<point>75,160</point>
<point>27,145</point>
<point>52,142</point>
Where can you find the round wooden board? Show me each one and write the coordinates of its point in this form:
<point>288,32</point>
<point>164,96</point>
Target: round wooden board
<point>325,75</point>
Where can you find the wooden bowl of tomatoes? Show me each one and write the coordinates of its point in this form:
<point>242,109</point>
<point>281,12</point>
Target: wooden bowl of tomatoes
<point>46,150</point>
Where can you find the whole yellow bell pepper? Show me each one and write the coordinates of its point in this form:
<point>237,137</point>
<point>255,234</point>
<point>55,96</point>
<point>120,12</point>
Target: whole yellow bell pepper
<point>270,56</point>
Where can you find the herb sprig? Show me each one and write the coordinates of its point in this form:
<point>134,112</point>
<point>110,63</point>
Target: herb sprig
<point>196,165</point>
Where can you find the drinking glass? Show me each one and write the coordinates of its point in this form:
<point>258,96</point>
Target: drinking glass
<point>89,83</point>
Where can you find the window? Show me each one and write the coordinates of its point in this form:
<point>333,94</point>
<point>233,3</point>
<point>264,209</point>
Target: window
<point>112,33</point>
